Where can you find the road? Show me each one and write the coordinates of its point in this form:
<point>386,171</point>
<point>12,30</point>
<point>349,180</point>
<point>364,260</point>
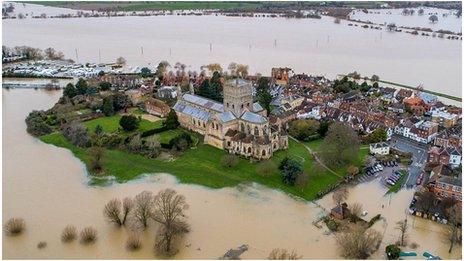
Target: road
<point>419,152</point>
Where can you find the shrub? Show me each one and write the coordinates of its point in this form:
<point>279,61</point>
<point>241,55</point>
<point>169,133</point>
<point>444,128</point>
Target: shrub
<point>154,131</point>
<point>129,122</point>
<point>229,160</point>
<point>41,244</point>
<point>392,251</point>
<point>36,123</point>
<point>181,142</point>
<point>133,243</point>
<point>88,235</point>
<point>14,226</point>
<point>69,234</point>
<point>77,134</point>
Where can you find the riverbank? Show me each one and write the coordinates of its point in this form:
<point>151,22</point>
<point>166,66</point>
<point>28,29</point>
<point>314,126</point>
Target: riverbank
<point>202,165</point>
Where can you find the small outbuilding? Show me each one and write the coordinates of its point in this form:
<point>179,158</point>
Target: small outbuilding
<point>340,212</point>
<point>157,107</point>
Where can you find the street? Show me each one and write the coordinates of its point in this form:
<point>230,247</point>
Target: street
<point>419,157</point>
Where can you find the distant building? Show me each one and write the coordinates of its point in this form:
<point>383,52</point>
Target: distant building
<point>281,75</point>
<point>168,92</point>
<point>448,156</point>
<point>380,148</point>
<point>448,187</point>
<point>444,118</point>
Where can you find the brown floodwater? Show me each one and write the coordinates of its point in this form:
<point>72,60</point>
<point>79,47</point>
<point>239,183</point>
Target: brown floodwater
<point>48,187</point>
<point>314,46</point>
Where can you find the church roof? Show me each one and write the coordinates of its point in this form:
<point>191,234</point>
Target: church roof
<point>204,102</point>
<point>192,111</point>
<point>253,117</point>
<point>257,107</point>
<point>227,116</point>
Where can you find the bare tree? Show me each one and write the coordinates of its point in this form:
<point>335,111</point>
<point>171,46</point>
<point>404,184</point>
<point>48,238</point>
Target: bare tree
<point>96,160</point>
<point>14,226</point>
<point>358,243</point>
<point>214,67</point>
<point>127,205</point>
<point>356,211</point>
<point>283,254</point>
<point>143,204</point>
<point>402,226</point>
<point>302,180</point>
<point>426,200</point>
<point>112,211</point>
<point>69,234</point>
<point>341,145</point>
<point>169,210</point>
<point>454,232</point>
<point>242,70</point>
<point>266,168</point>
<point>120,61</point>
<point>340,195</point>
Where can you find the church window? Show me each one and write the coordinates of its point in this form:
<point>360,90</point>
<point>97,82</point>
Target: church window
<point>227,105</point>
<point>228,143</point>
<point>256,131</point>
<point>233,107</point>
<point>204,125</point>
<point>249,149</point>
<point>242,127</point>
<point>264,153</point>
<point>242,106</point>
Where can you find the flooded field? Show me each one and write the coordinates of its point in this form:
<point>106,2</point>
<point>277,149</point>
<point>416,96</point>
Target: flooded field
<point>446,18</point>
<point>47,186</point>
<point>315,46</point>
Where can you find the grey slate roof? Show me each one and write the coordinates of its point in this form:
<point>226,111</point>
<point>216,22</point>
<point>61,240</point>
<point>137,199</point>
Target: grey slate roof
<point>192,111</point>
<point>201,101</point>
<point>227,116</point>
<point>257,107</point>
<point>253,117</point>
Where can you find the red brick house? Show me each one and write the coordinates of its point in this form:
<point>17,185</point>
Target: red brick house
<point>157,107</point>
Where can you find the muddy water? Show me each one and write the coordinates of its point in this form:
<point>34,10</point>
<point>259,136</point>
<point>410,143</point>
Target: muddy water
<point>448,22</point>
<point>315,46</point>
<point>47,186</point>
<point>429,235</point>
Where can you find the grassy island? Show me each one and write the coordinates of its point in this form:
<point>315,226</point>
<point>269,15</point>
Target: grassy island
<point>202,164</point>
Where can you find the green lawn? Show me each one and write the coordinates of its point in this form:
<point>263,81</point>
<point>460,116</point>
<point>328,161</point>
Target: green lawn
<point>167,136</point>
<point>202,166</point>
<point>165,5</point>
<point>111,124</point>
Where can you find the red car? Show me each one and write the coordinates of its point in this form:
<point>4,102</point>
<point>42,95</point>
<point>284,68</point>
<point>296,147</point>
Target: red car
<point>419,179</point>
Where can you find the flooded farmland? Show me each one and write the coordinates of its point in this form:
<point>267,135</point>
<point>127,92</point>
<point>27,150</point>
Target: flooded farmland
<point>315,46</point>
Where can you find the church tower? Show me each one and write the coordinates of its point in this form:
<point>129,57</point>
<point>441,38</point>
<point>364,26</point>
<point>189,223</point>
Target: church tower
<point>238,96</point>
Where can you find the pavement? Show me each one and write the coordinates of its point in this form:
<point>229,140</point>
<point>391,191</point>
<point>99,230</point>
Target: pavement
<point>419,157</point>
